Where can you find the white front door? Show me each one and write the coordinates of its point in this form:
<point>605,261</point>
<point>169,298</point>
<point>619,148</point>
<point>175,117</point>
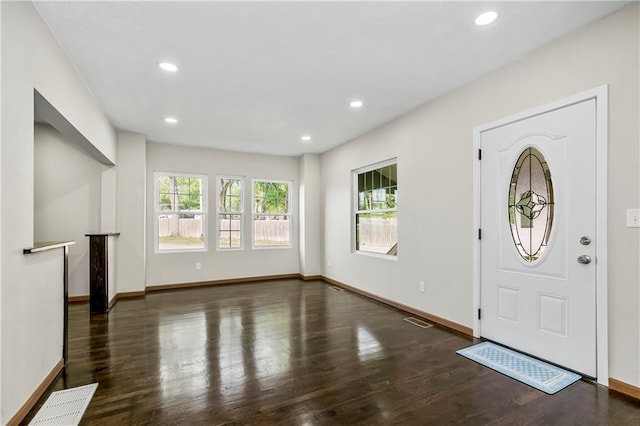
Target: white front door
<point>538,229</point>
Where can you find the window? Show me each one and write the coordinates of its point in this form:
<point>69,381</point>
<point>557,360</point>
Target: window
<point>181,210</point>
<point>271,213</point>
<point>376,208</point>
<point>531,204</point>
<point>229,212</point>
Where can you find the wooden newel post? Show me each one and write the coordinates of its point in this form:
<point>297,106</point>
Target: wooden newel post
<point>99,272</point>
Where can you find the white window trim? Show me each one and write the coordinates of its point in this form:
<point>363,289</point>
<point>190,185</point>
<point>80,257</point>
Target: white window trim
<point>157,212</point>
<point>289,214</point>
<point>355,211</point>
<point>241,213</point>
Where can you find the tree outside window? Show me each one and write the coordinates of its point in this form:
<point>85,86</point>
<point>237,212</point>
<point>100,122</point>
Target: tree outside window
<point>271,213</point>
<point>230,212</point>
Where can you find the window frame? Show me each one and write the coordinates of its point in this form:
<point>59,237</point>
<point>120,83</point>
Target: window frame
<point>355,211</point>
<point>204,179</point>
<point>288,214</point>
<point>241,213</point>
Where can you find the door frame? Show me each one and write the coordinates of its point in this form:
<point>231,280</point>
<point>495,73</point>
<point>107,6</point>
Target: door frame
<point>600,94</point>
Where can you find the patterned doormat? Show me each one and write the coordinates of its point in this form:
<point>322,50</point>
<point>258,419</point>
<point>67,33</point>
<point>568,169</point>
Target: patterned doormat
<point>533,372</point>
<point>65,407</point>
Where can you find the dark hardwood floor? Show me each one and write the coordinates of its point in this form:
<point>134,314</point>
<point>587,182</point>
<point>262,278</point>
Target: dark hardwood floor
<point>299,353</point>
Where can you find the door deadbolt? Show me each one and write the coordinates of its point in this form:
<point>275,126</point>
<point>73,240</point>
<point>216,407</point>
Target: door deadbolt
<point>585,241</point>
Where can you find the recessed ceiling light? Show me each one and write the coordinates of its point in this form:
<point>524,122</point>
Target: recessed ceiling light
<point>305,138</point>
<point>356,104</point>
<point>486,18</point>
<point>168,66</point>
<point>171,120</point>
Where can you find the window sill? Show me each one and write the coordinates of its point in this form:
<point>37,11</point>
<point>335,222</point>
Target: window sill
<point>272,247</point>
<point>203,250</point>
<point>377,255</point>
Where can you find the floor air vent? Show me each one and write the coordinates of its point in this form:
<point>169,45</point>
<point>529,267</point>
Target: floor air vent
<point>418,322</point>
<point>334,288</point>
<point>65,407</point>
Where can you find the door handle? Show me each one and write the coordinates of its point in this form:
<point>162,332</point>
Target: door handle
<point>584,259</point>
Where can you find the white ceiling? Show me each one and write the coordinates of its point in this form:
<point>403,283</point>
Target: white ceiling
<point>255,76</point>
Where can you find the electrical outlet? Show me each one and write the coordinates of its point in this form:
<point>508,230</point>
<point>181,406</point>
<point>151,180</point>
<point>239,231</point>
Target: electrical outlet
<point>329,262</point>
<point>633,218</point>
<point>421,286</point>
<point>198,266</point>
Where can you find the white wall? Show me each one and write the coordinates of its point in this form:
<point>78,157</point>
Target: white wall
<point>175,268</point>
<point>67,188</point>
<point>131,212</point>
<point>310,216</point>
<point>434,148</point>
<point>1,144</point>
<point>108,200</point>
<point>108,224</point>
<point>32,59</point>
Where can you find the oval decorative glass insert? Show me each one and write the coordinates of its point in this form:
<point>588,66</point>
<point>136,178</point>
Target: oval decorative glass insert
<point>531,204</point>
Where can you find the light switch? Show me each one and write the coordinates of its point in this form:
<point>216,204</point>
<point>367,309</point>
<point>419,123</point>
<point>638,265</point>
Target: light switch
<point>633,218</point>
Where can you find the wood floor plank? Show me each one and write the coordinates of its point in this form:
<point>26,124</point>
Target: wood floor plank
<point>296,352</point>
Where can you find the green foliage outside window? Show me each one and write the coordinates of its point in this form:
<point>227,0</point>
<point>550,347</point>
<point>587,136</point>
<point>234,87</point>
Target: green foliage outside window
<point>271,214</point>
<point>180,193</point>
<point>230,195</point>
<point>270,197</point>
